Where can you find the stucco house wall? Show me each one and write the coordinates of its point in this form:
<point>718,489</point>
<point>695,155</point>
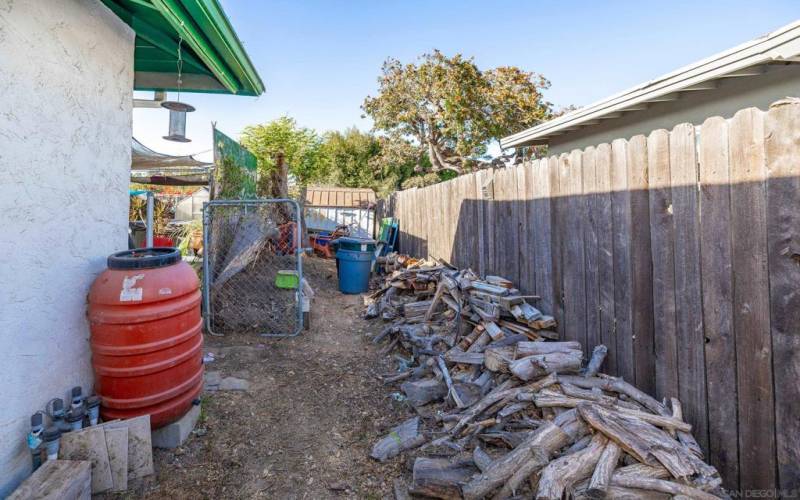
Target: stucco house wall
<point>730,96</point>
<point>66,80</point>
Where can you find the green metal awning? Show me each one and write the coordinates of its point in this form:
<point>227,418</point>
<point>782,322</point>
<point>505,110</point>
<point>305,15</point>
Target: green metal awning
<point>213,57</point>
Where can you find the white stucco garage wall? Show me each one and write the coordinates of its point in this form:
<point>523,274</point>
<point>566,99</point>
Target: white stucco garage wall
<point>66,80</point>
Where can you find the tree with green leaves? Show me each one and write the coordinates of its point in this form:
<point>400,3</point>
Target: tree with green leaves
<point>347,157</point>
<point>452,109</point>
<point>299,146</point>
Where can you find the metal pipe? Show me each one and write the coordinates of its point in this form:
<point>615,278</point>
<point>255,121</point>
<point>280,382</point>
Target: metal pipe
<point>206,280</point>
<point>149,223</point>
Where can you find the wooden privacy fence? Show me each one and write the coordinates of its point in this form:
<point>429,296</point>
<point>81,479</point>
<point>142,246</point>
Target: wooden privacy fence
<point>680,251</point>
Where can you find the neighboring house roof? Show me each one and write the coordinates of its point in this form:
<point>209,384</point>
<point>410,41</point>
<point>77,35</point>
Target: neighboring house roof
<point>339,197</point>
<point>748,59</point>
<point>214,59</point>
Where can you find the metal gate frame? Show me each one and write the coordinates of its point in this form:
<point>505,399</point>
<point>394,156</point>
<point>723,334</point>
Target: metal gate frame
<point>299,251</point>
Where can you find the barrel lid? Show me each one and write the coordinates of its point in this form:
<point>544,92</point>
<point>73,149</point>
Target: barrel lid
<point>144,258</point>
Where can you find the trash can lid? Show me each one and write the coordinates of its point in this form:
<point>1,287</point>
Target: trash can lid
<point>356,241</point>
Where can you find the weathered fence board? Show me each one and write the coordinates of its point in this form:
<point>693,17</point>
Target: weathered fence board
<point>590,229</point>
<point>605,253</point>
<point>641,267</point>
<point>679,251</point>
<point>525,257</point>
<point>751,301</point>
<point>782,132</point>
<point>717,285</point>
<point>556,221</point>
<point>662,238</point>
<point>688,298</point>
<point>623,279</point>
<point>573,256</point>
<point>541,217</point>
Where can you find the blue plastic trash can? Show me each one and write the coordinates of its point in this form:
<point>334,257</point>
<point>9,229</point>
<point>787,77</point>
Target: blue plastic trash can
<point>354,267</point>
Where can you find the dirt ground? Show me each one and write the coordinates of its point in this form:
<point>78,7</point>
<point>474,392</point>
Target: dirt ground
<point>305,426</point>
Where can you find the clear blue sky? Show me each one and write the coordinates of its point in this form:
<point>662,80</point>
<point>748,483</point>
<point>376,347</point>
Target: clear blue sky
<point>320,58</point>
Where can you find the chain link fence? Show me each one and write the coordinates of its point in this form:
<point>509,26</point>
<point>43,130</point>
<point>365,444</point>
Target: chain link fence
<point>246,243</point>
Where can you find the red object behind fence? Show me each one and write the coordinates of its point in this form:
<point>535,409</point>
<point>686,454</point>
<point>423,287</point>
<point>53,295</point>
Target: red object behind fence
<point>146,335</point>
<point>161,241</point>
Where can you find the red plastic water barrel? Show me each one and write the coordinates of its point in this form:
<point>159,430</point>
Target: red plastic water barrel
<point>147,340</point>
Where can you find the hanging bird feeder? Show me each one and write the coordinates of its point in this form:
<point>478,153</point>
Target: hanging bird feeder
<point>177,120</point>
<point>178,109</point>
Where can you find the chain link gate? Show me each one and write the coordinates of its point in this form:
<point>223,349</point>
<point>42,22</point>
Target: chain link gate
<point>245,244</point>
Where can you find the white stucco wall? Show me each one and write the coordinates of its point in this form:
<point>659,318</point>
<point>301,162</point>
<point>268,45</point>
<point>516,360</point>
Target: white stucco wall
<point>66,79</point>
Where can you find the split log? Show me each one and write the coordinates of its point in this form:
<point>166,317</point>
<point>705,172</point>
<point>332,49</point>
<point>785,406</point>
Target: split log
<point>662,486</point>
<point>467,340</point>
<point>685,437</point>
<point>497,359</point>
<point>493,330</point>
<point>435,302</point>
<point>552,399</point>
<point>642,440</point>
<point>468,392</point>
<point>403,437</point>
<point>643,470</point>
<point>601,477</point>
<point>531,390</point>
<point>481,458</point>
<point>488,288</point>
<point>531,348</point>
<point>449,381</point>
<point>578,445</point>
<point>468,358</point>
<point>617,431</point>
<point>571,425</point>
<point>507,388</point>
<point>422,392</point>
<point>529,332</point>
<point>539,365</point>
<point>537,448</point>
<point>482,341</point>
<point>598,396</point>
<point>569,469</point>
<point>598,356</point>
<point>544,323</point>
<point>620,493</point>
<point>617,385</point>
<point>513,408</point>
<point>440,478</point>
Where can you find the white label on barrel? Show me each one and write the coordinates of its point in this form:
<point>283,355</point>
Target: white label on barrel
<point>128,293</point>
<point>165,291</point>
<point>363,248</point>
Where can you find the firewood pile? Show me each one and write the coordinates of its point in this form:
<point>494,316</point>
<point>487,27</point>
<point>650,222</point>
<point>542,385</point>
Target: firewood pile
<point>506,410</point>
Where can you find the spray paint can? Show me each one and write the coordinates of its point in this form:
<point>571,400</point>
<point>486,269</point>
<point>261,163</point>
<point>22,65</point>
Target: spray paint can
<point>35,439</point>
<point>77,397</point>
<point>93,409</point>
<point>56,411</point>
<point>75,418</point>
<point>52,440</point>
